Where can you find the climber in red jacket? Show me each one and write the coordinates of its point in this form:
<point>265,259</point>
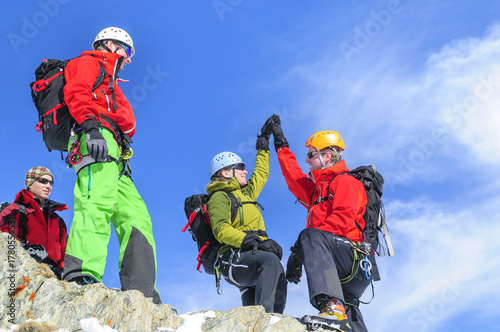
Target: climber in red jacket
<point>331,246</point>
<point>32,219</point>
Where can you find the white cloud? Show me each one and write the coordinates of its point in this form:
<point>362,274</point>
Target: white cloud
<point>445,261</point>
<point>464,78</point>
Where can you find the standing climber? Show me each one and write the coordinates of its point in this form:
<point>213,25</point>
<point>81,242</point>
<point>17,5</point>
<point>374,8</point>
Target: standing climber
<point>104,189</point>
<point>247,259</point>
<point>32,219</point>
<point>331,247</point>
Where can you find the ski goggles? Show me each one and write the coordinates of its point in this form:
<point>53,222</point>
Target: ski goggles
<point>45,181</point>
<point>311,154</point>
<point>127,49</point>
<point>239,167</point>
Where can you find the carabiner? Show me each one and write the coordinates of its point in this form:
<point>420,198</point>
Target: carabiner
<point>218,284</point>
<point>75,156</point>
<point>366,266</point>
<point>128,153</point>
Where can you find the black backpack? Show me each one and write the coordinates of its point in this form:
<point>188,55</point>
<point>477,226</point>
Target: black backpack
<point>55,122</point>
<point>375,214</point>
<point>200,227</point>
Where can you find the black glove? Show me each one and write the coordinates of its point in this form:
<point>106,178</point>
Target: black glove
<point>265,133</point>
<point>262,143</point>
<point>37,251</point>
<point>271,246</point>
<point>96,144</point>
<point>294,265</point>
<point>250,242</point>
<point>279,137</point>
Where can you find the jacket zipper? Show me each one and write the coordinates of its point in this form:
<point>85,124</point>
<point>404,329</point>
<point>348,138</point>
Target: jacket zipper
<point>107,100</point>
<point>309,218</point>
<point>240,209</point>
<point>88,184</point>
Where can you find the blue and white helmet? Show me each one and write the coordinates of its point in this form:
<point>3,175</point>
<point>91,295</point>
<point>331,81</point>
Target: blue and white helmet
<point>223,160</point>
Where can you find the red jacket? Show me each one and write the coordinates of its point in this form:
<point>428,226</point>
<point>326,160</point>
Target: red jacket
<point>340,213</point>
<point>51,233</point>
<point>81,74</point>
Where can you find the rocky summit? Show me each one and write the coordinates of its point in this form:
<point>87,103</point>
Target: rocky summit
<point>32,299</point>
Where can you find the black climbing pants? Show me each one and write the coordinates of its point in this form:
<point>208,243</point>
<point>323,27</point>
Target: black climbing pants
<point>259,276</point>
<point>328,262</point>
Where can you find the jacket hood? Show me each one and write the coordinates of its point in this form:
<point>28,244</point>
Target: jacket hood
<point>226,186</point>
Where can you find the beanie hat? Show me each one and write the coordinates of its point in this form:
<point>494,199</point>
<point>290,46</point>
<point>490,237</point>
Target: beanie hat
<point>35,173</point>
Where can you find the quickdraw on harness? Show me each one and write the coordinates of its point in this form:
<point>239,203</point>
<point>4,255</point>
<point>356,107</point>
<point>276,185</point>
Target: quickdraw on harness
<point>361,252</point>
<point>218,284</point>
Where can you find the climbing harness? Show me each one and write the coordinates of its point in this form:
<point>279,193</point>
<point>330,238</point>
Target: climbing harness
<point>78,161</point>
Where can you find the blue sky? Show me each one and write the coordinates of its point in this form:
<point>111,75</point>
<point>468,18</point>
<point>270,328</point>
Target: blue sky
<point>411,85</point>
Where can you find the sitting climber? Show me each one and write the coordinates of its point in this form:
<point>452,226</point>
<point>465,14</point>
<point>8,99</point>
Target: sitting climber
<point>248,259</point>
<point>32,219</point>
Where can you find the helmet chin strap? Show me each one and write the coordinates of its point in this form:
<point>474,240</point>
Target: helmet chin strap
<point>234,174</point>
<point>103,44</point>
<point>323,166</point>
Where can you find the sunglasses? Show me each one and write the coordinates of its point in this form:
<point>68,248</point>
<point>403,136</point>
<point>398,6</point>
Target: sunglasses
<point>45,181</point>
<point>311,154</point>
<point>127,49</point>
<point>239,167</point>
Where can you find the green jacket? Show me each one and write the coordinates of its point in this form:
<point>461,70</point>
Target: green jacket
<point>248,217</point>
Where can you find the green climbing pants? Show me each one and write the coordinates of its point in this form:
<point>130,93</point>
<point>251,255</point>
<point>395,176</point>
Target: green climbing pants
<point>101,196</point>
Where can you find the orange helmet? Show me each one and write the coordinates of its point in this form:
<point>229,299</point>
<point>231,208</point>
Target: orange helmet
<point>324,139</point>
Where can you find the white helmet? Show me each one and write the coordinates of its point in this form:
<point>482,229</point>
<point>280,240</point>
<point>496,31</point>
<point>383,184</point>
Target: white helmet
<point>113,33</point>
<point>223,160</point>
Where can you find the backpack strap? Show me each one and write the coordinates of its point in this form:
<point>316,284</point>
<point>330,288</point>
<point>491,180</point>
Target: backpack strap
<point>329,195</point>
<point>100,77</point>
<point>234,206</point>
<point>234,203</point>
<point>239,206</point>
